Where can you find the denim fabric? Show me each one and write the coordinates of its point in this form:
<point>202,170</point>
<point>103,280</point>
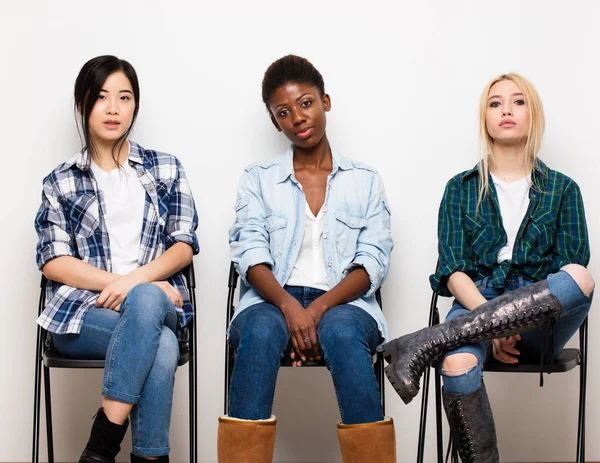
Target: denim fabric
<point>270,219</point>
<point>141,351</point>
<point>348,337</point>
<point>575,307</point>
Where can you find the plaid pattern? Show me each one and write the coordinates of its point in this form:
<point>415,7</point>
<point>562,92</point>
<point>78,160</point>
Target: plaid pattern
<point>553,232</point>
<point>69,222</point>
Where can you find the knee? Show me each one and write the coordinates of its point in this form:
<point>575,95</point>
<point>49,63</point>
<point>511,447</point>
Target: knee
<point>265,329</point>
<point>147,299</point>
<point>459,364</point>
<point>167,355</point>
<point>340,336</point>
<point>582,277</point>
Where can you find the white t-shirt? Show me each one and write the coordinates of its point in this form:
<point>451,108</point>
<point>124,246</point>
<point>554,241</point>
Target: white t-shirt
<point>514,201</point>
<point>309,268</point>
<point>124,201</point>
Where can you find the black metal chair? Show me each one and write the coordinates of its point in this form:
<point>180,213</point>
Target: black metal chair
<point>46,355</point>
<point>230,351</point>
<point>567,360</point>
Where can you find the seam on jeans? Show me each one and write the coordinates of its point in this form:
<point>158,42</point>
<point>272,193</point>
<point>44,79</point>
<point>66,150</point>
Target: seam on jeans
<point>335,386</point>
<point>111,357</point>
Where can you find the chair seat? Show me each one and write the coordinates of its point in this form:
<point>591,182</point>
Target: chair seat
<point>567,360</point>
<point>287,362</point>
<point>54,359</point>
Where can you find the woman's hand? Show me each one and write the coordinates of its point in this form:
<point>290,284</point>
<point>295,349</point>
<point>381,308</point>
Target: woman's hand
<point>114,293</point>
<point>504,349</point>
<point>170,291</point>
<point>303,334</point>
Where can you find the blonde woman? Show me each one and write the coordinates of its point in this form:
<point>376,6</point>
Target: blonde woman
<point>513,246</point>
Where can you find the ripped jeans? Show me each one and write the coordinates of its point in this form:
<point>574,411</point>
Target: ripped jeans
<point>575,307</point>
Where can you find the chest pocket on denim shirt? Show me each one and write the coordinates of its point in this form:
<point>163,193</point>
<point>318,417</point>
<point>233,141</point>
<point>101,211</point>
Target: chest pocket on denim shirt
<point>347,231</point>
<point>541,230</point>
<point>84,213</point>
<point>477,234</point>
<point>276,228</point>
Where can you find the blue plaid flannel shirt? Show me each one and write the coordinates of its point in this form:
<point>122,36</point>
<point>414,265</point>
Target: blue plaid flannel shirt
<point>70,222</point>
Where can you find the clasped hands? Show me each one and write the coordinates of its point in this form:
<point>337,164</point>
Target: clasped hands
<point>302,325</point>
<point>114,293</point>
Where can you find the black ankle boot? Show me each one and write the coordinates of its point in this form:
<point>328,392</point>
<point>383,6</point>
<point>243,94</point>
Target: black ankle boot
<point>472,427</point>
<point>105,440</point>
<point>508,314</point>
<point>162,459</point>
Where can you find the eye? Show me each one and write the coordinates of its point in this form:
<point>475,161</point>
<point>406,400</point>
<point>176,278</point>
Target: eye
<point>125,98</point>
<point>102,97</point>
<point>520,102</point>
<point>494,104</point>
<point>306,104</point>
<point>284,112</point>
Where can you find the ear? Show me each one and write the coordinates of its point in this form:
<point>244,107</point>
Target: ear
<point>327,102</point>
<point>274,121</point>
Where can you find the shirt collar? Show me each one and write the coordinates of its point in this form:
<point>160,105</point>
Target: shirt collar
<point>286,166</point>
<point>81,159</point>
<point>539,174</point>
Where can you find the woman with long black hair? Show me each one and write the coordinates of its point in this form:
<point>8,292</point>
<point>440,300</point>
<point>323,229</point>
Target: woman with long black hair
<point>116,225</point>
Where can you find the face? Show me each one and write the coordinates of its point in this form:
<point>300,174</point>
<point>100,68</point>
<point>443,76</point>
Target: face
<point>298,110</point>
<point>507,115</point>
<point>112,113</point>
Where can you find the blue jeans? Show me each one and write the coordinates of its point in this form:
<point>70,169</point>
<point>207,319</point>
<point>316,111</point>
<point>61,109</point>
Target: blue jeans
<point>141,352</point>
<point>575,307</point>
<point>348,337</point>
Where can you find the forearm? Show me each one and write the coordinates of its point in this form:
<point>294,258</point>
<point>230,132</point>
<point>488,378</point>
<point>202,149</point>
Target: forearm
<point>353,285</point>
<point>262,279</point>
<point>168,263</point>
<point>464,290</point>
<point>77,273</point>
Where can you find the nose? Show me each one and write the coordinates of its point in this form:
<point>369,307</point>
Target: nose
<point>507,111</point>
<point>113,107</point>
<point>298,117</point>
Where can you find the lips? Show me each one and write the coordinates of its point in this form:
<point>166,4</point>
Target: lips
<point>304,133</point>
<point>508,123</point>
<point>111,124</point>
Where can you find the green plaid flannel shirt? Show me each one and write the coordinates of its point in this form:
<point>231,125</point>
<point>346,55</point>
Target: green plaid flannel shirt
<point>553,232</point>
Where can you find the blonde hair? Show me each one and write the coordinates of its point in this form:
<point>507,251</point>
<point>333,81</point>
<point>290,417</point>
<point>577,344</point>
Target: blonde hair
<point>533,142</point>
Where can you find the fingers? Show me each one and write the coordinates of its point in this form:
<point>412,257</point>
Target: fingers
<point>296,352</point>
<point>500,352</point>
<point>314,350</point>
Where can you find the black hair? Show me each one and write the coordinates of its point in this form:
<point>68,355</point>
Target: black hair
<point>88,84</point>
<point>290,68</point>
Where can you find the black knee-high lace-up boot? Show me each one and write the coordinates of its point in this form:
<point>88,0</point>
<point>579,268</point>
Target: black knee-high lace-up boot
<point>472,430</point>
<point>508,314</point>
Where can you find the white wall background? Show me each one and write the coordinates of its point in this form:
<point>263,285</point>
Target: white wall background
<point>404,78</point>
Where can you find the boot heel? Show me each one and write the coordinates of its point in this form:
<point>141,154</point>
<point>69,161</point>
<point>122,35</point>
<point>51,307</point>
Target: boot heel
<point>405,393</point>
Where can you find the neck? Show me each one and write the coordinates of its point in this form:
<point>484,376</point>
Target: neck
<point>105,154</point>
<point>313,158</point>
<point>509,161</point>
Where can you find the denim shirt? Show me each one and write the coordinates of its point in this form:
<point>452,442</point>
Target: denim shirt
<point>70,222</point>
<point>270,218</point>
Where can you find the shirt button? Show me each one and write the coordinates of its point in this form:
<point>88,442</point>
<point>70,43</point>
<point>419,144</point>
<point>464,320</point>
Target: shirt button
<point>150,188</point>
<point>325,235</point>
<point>324,209</point>
<point>328,264</point>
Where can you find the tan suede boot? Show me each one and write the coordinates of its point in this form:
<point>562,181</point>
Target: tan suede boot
<point>368,442</point>
<point>246,441</point>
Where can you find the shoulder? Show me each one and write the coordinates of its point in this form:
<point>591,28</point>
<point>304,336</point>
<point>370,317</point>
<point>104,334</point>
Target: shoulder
<point>65,177</point>
<point>271,164</point>
<point>153,158</point>
<point>555,181</point>
<point>349,163</point>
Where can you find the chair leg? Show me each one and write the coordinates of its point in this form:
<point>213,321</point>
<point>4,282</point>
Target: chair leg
<point>35,451</point>
<point>438,416</point>
<point>48,400</point>
<point>379,374</point>
<point>582,394</point>
<point>423,422</point>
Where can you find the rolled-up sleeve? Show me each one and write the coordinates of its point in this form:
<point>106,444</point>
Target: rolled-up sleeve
<point>183,218</point>
<point>248,237</point>
<point>53,228</point>
<point>374,245</point>
<point>452,245</point>
<point>572,240</point>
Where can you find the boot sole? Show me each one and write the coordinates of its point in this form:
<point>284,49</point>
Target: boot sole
<point>405,393</point>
